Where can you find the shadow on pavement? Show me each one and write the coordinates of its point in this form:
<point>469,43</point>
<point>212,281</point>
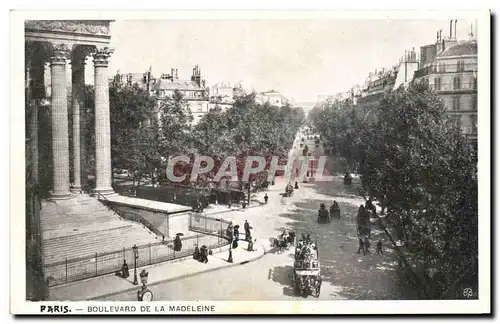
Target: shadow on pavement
<point>282,275</point>
<point>353,276</point>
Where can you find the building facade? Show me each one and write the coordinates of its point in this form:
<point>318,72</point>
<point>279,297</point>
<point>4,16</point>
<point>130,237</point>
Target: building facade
<point>222,95</point>
<point>194,91</point>
<point>143,80</point>
<point>449,67</point>
<point>273,98</point>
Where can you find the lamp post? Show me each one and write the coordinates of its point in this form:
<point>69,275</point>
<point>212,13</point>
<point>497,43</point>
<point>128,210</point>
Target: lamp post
<point>144,294</point>
<point>136,256</point>
<point>230,259</point>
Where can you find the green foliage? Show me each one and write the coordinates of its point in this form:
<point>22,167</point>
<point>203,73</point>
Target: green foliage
<point>414,161</point>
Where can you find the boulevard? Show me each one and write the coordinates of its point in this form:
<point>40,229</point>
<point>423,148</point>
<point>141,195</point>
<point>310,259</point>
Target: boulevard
<point>346,274</point>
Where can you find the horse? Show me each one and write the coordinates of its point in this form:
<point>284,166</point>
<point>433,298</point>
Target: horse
<point>280,244</point>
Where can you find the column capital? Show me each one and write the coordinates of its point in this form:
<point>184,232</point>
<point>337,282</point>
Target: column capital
<point>101,56</point>
<point>59,54</point>
<point>79,55</point>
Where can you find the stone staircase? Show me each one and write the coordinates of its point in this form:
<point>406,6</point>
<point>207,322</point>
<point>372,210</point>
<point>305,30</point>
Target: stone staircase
<point>83,226</point>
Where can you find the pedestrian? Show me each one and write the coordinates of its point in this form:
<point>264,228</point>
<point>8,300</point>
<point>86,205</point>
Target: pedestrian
<point>296,185</point>
<point>379,248</point>
<point>247,230</point>
<point>369,206</point>
<point>361,245</point>
<point>250,244</point>
<point>177,243</point>
<point>204,254</point>
<point>266,198</point>
<point>125,272</point>
<point>196,254</point>
<point>236,232</point>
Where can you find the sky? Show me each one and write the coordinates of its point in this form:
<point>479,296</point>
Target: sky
<point>299,58</point>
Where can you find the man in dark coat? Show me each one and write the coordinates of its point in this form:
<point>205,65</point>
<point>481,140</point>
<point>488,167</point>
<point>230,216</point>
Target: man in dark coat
<point>125,272</point>
<point>236,232</point>
<point>247,230</point>
<point>369,206</point>
<point>177,243</point>
<point>266,198</point>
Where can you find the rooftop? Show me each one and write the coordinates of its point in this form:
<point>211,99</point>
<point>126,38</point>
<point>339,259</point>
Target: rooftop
<point>181,85</point>
<point>461,48</point>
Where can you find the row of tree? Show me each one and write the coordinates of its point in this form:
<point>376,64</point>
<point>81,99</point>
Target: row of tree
<point>145,135</point>
<point>414,161</point>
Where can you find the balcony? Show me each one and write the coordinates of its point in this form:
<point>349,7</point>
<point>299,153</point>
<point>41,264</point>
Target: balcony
<point>451,87</point>
<point>446,68</point>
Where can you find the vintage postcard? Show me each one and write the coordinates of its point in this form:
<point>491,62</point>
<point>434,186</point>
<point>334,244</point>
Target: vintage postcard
<point>260,162</point>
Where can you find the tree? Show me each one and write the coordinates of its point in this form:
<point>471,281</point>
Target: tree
<point>133,135</point>
<point>175,126</point>
<point>415,161</point>
<point>247,129</point>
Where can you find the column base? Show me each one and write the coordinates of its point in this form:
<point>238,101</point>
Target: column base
<point>76,189</point>
<point>104,191</point>
<point>61,196</point>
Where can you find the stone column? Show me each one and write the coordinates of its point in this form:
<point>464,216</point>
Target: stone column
<point>78,84</point>
<point>83,145</point>
<point>33,110</point>
<point>102,122</point>
<point>60,140</point>
<point>36,85</point>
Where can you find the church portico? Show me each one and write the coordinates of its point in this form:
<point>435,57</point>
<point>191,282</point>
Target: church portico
<point>59,43</point>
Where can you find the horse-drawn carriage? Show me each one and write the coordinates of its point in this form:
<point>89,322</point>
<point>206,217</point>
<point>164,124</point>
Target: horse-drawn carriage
<point>323,215</point>
<point>288,191</point>
<point>284,241</point>
<point>307,270</point>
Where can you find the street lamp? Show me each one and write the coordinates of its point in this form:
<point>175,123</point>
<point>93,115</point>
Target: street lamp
<point>230,259</point>
<point>136,256</point>
<point>144,294</point>
<point>144,278</point>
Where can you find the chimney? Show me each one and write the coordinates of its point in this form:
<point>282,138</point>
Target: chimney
<point>451,28</point>
<point>176,74</point>
<point>456,28</point>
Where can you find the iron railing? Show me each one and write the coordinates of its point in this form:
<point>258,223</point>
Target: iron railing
<point>98,264</point>
<point>208,225</point>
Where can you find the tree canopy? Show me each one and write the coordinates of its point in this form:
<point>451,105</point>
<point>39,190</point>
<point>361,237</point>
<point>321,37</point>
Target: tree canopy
<point>414,160</point>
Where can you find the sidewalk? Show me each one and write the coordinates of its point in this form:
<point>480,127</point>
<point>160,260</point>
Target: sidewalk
<point>105,286</point>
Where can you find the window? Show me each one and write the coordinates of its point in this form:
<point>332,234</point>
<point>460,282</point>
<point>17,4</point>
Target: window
<point>437,83</point>
<point>456,83</point>
<point>455,103</point>
<point>457,121</point>
<point>474,83</point>
<point>442,67</point>
<point>460,66</point>
<point>474,102</point>
<point>473,124</point>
